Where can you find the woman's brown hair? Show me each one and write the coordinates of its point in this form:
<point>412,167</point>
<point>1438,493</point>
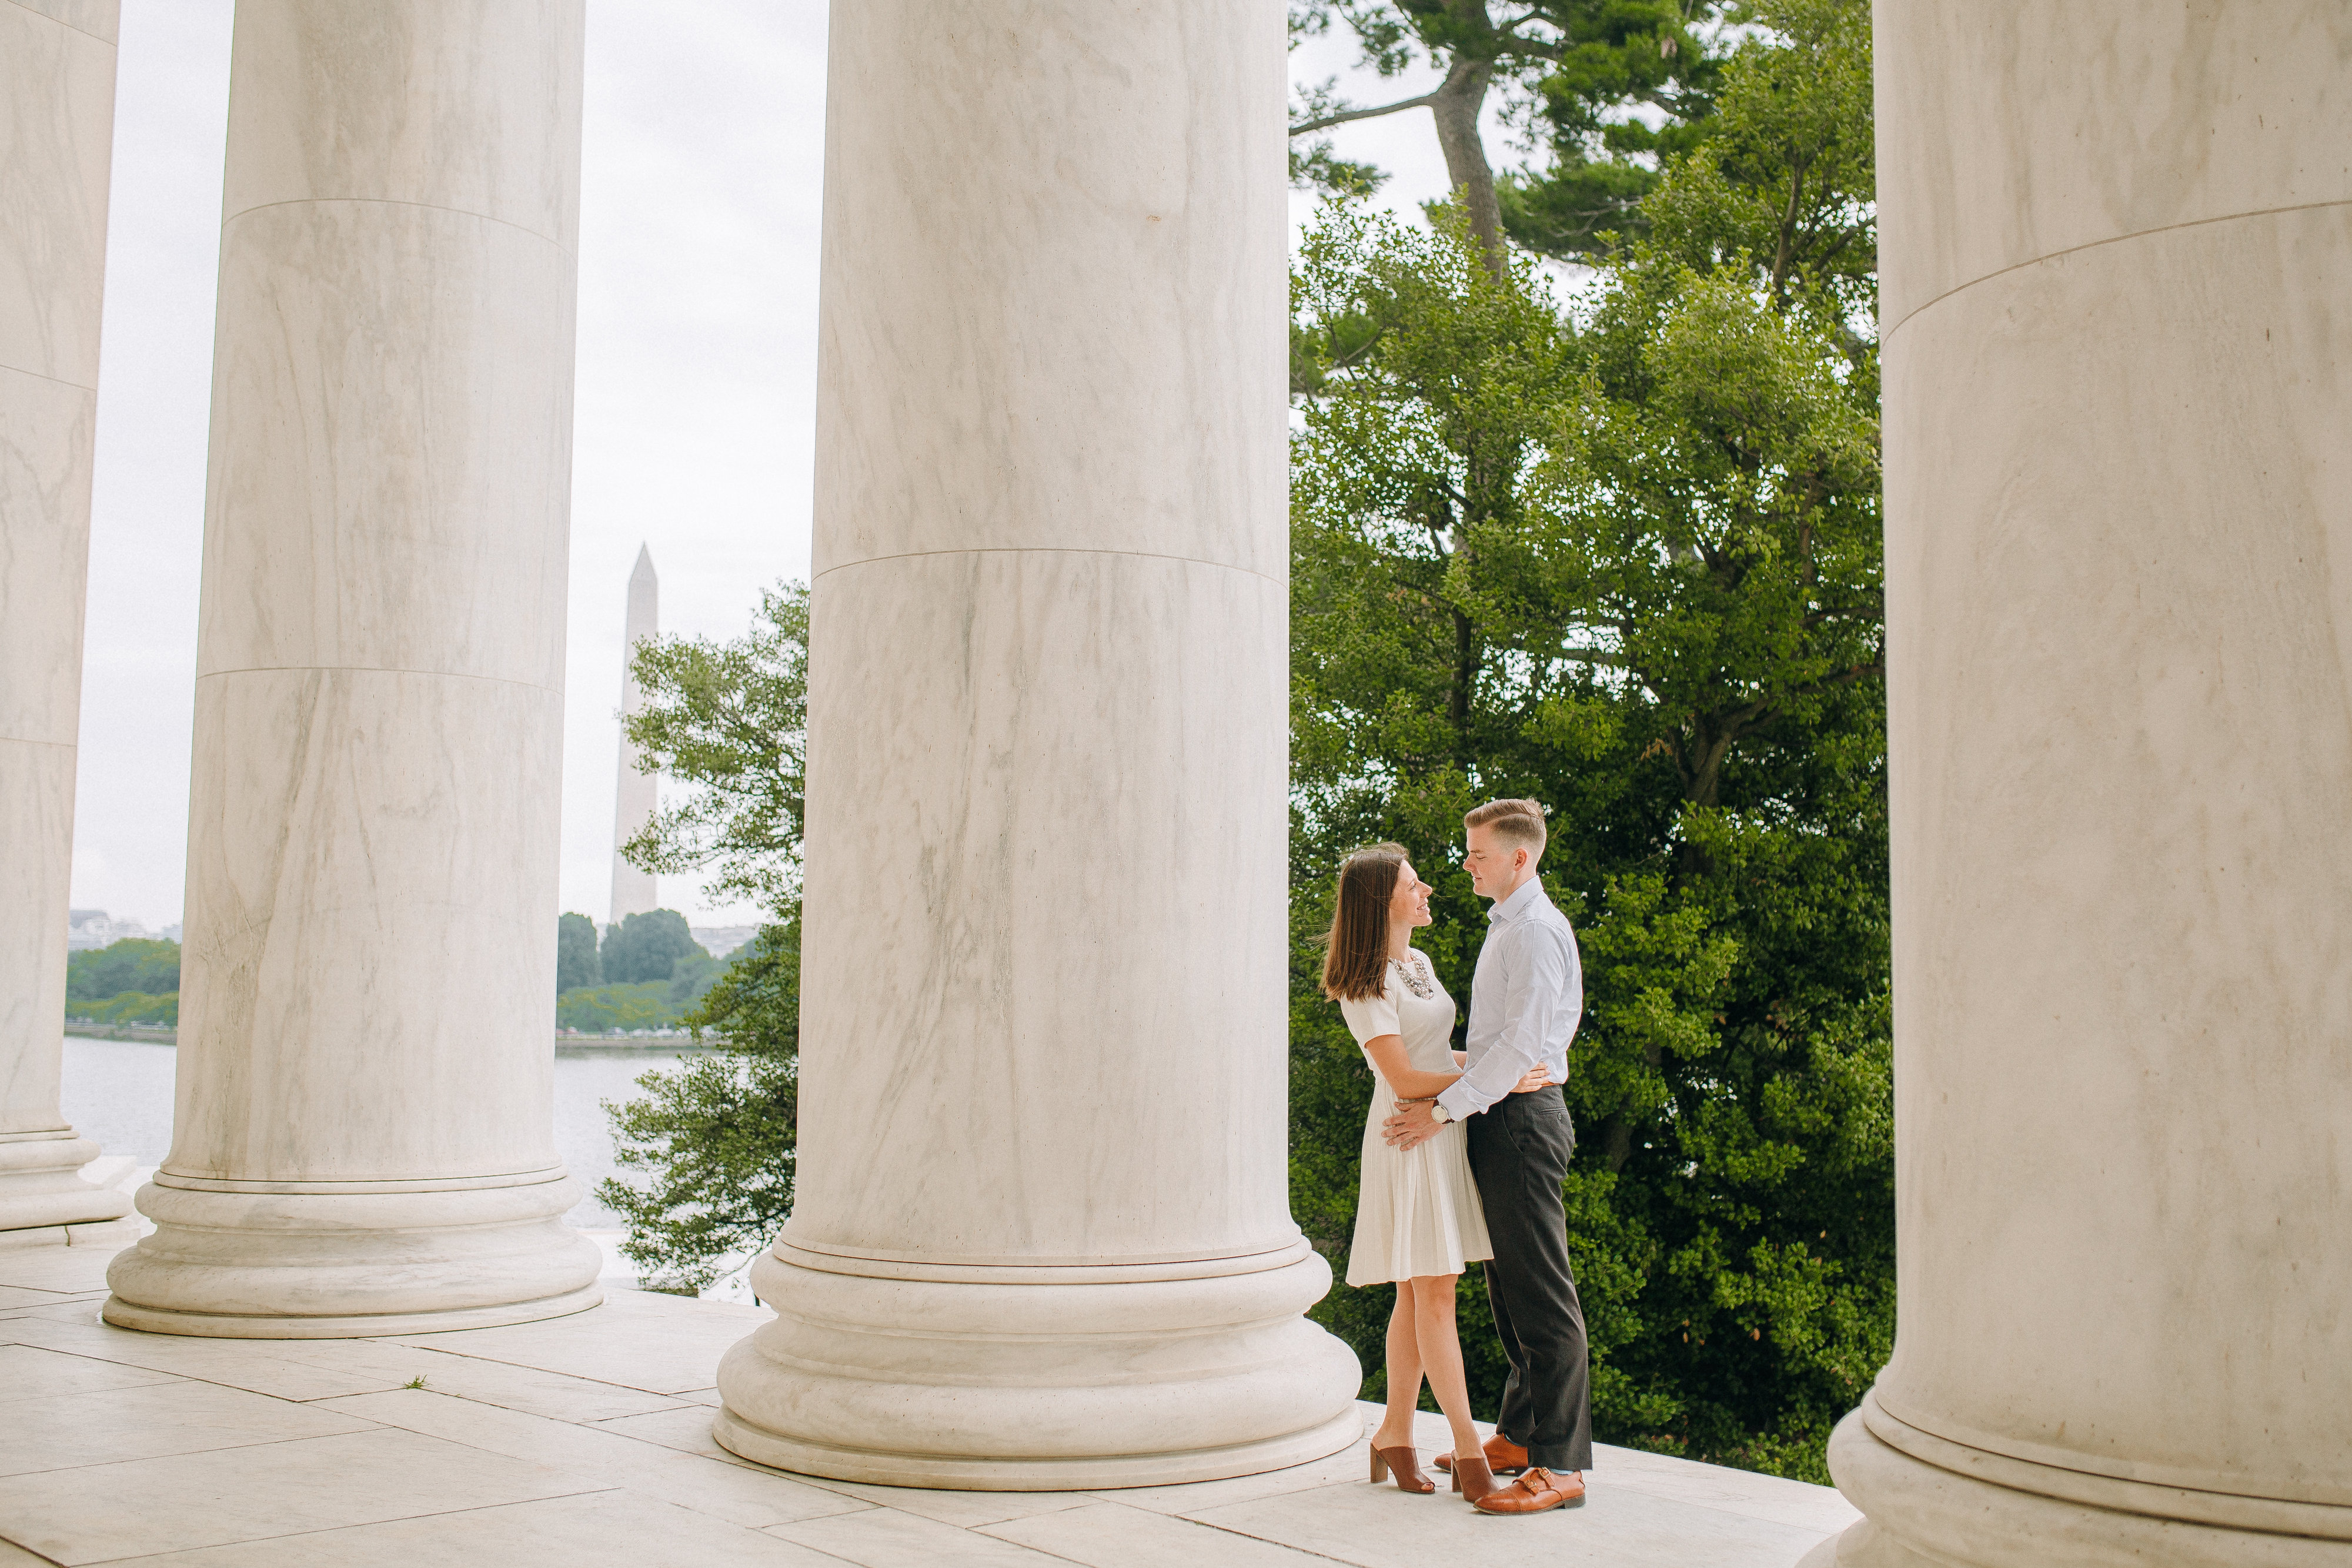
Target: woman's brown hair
<point>1356,953</point>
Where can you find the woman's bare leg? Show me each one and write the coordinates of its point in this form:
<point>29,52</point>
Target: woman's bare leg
<point>1404,1373</point>
<point>1441,1357</point>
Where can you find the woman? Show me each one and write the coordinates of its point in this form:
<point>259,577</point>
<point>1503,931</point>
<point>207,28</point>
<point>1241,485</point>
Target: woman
<point>1418,1221</point>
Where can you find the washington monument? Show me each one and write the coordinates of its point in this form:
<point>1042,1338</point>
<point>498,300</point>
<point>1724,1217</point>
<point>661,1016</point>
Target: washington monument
<point>632,889</point>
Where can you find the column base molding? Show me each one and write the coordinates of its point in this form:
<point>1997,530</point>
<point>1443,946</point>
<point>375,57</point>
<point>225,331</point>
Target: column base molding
<point>1933,1503</point>
<point>243,1264</point>
<point>41,1188</point>
<point>125,1314</point>
<point>1022,1385</point>
<point>1101,1472</point>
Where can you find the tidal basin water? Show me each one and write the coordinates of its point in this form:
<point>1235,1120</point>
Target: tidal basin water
<point>119,1092</point>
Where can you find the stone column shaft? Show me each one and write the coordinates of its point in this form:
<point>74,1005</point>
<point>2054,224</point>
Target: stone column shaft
<point>56,138</point>
<point>2117,254</point>
<point>1042,1235</point>
<point>363,1139</point>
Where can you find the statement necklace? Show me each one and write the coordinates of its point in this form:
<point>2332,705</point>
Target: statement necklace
<point>1417,977</point>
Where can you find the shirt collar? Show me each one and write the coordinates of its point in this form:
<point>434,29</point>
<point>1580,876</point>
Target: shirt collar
<point>1530,894</point>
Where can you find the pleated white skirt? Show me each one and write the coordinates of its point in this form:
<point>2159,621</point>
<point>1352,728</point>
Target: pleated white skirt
<point>1417,1213</point>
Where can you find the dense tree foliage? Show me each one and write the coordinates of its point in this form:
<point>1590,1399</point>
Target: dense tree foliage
<point>151,967</point>
<point>1624,556</point>
<point>648,946</point>
<point>713,1138</point>
<point>711,1144</point>
<point>576,962</point>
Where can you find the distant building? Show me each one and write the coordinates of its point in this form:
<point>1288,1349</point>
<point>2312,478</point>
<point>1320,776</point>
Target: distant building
<point>720,940</point>
<point>89,928</point>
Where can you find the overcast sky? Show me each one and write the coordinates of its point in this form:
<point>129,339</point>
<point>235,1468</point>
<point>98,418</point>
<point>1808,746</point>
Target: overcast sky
<point>697,377</point>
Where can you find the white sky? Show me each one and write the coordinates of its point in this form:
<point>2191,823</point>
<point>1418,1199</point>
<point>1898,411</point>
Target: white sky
<point>697,377</point>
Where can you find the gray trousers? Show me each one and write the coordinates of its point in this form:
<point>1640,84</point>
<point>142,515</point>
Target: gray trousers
<point>1519,1148</point>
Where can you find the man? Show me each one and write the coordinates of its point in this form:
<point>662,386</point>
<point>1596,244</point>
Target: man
<point>1526,1000</point>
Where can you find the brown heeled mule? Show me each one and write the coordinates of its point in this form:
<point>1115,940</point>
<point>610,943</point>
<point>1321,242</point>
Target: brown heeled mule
<point>1407,1465</point>
<point>1472,1480</point>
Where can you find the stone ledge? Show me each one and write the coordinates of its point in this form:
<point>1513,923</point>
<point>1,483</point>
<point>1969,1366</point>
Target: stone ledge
<point>586,1440</point>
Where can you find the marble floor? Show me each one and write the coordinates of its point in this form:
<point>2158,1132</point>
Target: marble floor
<point>586,1440</point>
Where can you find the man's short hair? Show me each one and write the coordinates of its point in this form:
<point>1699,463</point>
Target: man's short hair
<point>1517,822</point>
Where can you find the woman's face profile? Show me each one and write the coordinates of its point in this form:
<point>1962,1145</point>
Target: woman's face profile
<point>1410,902</point>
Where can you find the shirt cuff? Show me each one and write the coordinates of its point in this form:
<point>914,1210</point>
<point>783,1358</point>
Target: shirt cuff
<point>1457,1103</point>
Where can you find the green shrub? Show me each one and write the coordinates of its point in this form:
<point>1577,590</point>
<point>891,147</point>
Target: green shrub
<point>594,1009</point>
<point>134,964</point>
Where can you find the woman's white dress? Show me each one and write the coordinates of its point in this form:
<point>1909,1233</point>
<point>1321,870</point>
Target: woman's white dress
<point>1418,1213</point>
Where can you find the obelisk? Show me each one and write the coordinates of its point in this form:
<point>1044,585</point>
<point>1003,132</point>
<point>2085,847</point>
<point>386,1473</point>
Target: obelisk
<point>634,796</point>
<point>57,80</point>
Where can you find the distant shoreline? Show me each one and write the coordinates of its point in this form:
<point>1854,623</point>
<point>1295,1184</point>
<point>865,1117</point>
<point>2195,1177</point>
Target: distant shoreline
<point>565,1045</point>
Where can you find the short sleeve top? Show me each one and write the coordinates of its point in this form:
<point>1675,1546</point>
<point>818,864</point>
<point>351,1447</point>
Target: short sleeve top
<point>1425,1023</point>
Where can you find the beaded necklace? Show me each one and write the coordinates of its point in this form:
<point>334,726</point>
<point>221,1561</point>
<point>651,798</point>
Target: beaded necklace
<point>1417,977</point>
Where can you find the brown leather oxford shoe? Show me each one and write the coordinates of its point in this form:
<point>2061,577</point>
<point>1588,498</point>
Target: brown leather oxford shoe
<point>1504,1457</point>
<point>1534,1492</point>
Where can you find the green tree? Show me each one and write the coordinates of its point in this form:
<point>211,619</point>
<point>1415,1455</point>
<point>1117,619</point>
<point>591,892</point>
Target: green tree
<point>709,1146</point>
<point>714,1139</point>
<point>726,720</point>
<point>151,967</point>
<point>1585,79</point>
<point>648,946</point>
<point>1625,559</point>
<point>576,964</point>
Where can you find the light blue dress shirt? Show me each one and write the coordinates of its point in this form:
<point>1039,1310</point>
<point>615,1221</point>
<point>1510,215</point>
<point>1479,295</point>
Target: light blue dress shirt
<point>1526,997</point>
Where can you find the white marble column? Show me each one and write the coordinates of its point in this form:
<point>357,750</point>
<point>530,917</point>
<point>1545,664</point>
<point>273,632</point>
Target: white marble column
<point>56,137</point>
<point>362,1136</point>
<point>2117,252</point>
<point>1042,1236</point>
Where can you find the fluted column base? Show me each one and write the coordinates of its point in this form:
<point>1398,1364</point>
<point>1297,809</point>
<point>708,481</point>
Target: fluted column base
<point>344,1259</point>
<point>1038,1379</point>
<point>41,1186</point>
<point>1933,1503</point>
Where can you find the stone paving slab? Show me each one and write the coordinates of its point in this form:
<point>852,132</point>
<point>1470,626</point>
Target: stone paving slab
<point>586,1440</point>
<point>607,1527</point>
<point>98,1513</point>
<point>100,1426</point>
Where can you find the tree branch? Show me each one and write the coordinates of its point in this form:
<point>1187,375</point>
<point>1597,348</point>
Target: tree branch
<point>1325,123</point>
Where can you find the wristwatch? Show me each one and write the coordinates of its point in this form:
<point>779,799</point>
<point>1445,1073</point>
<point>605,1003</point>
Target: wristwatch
<point>1438,1112</point>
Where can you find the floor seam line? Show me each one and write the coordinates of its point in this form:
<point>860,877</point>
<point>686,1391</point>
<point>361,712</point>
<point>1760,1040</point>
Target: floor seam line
<point>331,1528</point>
<point>1246,1535</point>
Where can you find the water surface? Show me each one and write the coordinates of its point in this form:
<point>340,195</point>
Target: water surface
<point>119,1092</point>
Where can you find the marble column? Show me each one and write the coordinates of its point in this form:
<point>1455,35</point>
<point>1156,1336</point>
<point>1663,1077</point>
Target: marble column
<point>362,1138</point>
<point>56,138</point>
<point>2117,252</point>
<point>636,793</point>
<point>1042,1236</point>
